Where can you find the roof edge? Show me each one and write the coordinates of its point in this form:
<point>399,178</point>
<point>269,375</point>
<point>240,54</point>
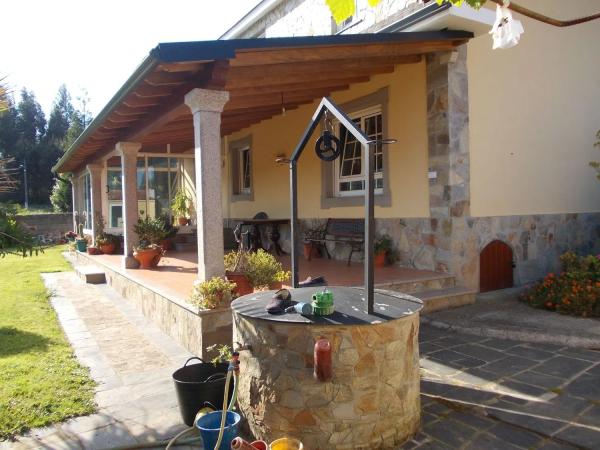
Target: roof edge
<point>250,18</point>
<point>146,66</point>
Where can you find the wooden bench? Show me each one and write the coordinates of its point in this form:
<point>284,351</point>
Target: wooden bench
<point>344,231</point>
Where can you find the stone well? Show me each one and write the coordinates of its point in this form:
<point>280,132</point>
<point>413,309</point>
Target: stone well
<point>372,400</point>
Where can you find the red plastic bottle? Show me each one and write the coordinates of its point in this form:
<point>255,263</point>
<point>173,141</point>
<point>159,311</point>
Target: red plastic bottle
<point>323,370</point>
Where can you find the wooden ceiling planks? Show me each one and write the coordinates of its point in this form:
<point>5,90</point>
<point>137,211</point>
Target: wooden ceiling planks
<point>260,81</point>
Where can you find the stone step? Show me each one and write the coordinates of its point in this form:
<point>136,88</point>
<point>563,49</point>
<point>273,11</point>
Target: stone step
<point>439,299</point>
<point>91,274</point>
<point>441,281</point>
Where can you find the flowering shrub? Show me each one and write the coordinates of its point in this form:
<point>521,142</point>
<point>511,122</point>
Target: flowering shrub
<point>575,291</point>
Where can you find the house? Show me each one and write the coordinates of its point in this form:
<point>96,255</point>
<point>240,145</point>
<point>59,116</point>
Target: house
<point>488,178</point>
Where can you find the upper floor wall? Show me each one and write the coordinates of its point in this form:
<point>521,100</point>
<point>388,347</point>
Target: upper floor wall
<point>313,17</point>
<point>534,111</point>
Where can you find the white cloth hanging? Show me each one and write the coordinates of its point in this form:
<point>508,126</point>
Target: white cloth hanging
<point>505,32</point>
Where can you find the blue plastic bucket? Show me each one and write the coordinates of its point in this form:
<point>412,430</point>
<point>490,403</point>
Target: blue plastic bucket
<point>210,424</point>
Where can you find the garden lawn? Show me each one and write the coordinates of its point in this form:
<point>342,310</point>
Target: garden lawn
<point>41,381</point>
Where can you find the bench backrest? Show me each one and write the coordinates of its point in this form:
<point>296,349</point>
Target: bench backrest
<point>352,228</point>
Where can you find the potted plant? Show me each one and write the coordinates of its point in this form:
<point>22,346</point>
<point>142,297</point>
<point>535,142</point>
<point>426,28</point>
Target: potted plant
<point>235,271</point>
<point>180,206</point>
<point>70,236</point>
<point>93,250</point>
<point>80,240</point>
<point>264,271</point>
<point>214,293</point>
<point>314,230</point>
<point>170,231</point>
<point>106,243</point>
<point>150,232</point>
<point>382,248</point>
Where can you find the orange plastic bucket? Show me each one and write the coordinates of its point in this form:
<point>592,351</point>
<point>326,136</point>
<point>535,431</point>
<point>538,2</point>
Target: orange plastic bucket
<point>286,444</point>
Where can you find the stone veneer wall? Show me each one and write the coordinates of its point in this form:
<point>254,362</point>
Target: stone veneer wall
<point>371,402</point>
<point>454,244</point>
<point>193,329</point>
<point>50,226</point>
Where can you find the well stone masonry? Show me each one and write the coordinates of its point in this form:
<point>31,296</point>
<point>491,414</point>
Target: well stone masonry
<point>371,402</point>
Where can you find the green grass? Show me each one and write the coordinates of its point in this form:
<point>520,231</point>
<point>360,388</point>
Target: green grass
<point>41,381</point>
<point>34,209</point>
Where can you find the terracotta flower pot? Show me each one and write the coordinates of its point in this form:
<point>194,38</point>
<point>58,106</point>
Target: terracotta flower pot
<point>275,286</point>
<point>379,260</point>
<point>108,249</point>
<point>311,251</point>
<point>147,257</point>
<point>182,221</point>
<point>93,250</point>
<point>241,281</point>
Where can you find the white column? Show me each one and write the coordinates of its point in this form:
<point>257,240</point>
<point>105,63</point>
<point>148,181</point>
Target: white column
<point>128,152</point>
<point>206,106</point>
<point>95,171</point>
<point>74,201</point>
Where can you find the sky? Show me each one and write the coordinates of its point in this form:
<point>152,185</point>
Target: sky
<point>96,45</point>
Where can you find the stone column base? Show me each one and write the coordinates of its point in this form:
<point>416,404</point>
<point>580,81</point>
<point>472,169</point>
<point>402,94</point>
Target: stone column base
<point>129,262</point>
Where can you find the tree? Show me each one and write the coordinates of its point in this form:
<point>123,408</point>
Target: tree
<point>61,197</point>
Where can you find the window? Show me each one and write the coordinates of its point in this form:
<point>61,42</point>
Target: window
<point>244,155</point>
<point>157,180</point>
<point>342,181</point>
<point>240,153</point>
<point>350,171</point>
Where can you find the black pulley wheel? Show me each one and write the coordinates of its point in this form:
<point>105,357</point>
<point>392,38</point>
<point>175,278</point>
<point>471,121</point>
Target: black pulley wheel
<point>328,147</point>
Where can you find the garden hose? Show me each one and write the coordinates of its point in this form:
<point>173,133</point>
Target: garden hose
<point>225,409</point>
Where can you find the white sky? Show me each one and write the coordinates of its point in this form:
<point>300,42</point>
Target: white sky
<point>96,45</point>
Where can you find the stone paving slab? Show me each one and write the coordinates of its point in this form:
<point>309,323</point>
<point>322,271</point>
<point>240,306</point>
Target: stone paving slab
<point>500,314</point>
<point>530,396</point>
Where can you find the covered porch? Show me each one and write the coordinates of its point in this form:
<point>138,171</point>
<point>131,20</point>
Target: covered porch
<point>214,118</point>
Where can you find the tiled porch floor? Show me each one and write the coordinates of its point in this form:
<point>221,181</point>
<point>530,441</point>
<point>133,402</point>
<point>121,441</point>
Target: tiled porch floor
<point>176,272</point>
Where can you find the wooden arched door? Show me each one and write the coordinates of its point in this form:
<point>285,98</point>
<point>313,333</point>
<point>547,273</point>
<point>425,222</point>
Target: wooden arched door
<point>495,267</point>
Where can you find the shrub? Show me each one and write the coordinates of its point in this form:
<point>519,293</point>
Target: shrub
<point>575,291</point>
<point>262,269</point>
<point>212,293</point>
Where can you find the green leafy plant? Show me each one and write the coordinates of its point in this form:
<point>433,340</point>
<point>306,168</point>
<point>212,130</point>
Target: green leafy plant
<point>150,232</point>
<point>224,353</point>
<point>210,294</point>
<point>180,204</point>
<point>575,291</point>
<point>262,269</point>
<point>383,244</point>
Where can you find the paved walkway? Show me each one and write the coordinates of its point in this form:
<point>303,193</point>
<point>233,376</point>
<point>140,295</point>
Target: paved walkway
<point>489,393</point>
<point>500,314</point>
<point>477,392</point>
<point>132,362</point>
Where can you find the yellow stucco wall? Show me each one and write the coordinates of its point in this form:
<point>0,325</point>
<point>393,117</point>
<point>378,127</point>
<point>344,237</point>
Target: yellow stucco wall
<point>534,112</point>
<point>407,123</point>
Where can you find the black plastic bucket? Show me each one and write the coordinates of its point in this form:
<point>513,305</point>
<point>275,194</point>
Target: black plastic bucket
<point>198,384</point>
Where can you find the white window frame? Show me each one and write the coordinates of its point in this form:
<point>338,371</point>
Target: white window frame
<point>337,178</point>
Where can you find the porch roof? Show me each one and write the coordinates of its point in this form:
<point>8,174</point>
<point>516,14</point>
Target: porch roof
<point>262,76</point>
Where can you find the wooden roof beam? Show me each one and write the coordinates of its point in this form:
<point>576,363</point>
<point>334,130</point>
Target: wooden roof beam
<point>255,57</point>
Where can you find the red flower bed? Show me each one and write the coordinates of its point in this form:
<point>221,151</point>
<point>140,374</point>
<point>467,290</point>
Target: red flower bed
<point>575,291</point>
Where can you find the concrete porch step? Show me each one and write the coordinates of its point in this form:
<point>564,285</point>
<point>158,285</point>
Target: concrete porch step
<point>91,274</point>
<point>430,283</point>
<point>439,299</point>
